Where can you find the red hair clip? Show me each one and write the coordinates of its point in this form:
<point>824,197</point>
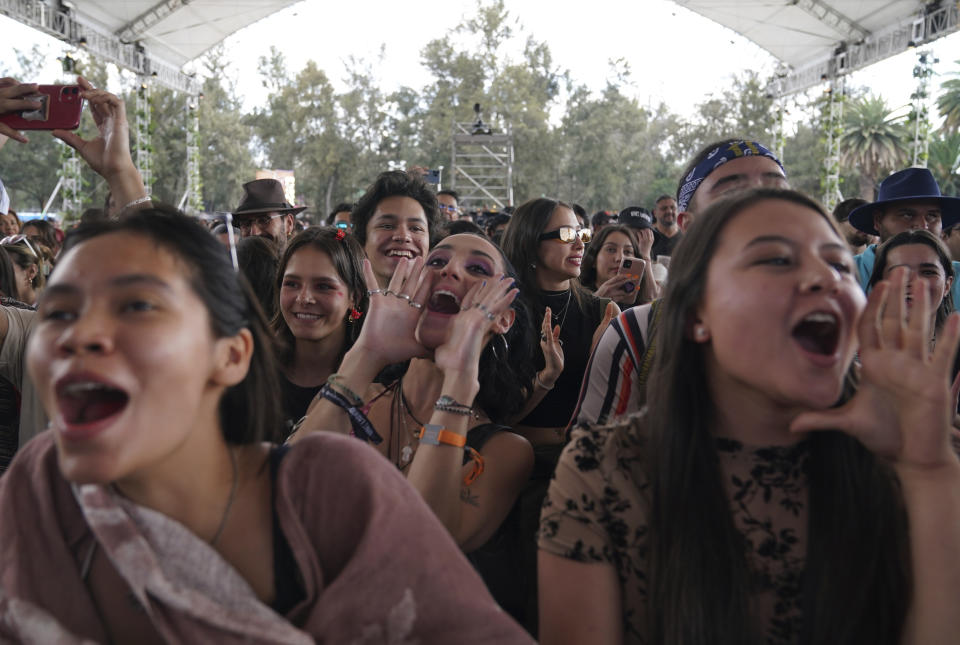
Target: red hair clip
<point>355,314</point>
<point>341,234</point>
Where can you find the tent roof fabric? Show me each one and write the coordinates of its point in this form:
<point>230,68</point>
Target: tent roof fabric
<point>177,31</point>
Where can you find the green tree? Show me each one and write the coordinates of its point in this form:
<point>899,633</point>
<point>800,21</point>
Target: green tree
<point>226,160</point>
<point>944,161</point>
<point>873,142</point>
<point>948,103</point>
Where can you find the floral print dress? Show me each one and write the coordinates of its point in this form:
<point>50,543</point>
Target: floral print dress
<point>596,509</point>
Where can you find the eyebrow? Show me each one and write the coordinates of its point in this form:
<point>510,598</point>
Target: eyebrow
<point>131,279</point>
<point>447,247</point>
<point>322,277</point>
<point>922,265</point>
<point>780,239</point>
<point>391,216</point>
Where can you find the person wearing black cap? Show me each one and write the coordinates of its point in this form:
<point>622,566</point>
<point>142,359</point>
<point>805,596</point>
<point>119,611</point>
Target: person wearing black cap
<point>264,211</point>
<point>907,200</point>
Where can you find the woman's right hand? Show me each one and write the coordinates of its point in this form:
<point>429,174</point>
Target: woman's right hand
<point>552,350</point>
<point>388,334</point>
<point>11,91</point>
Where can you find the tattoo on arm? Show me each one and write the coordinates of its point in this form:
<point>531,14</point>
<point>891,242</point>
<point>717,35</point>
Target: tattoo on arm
<point>469,498</point>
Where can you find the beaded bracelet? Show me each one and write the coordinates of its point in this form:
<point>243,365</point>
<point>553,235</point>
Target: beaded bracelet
<point>449,404</point>
<point>335,381</point>
<point>137,202</point>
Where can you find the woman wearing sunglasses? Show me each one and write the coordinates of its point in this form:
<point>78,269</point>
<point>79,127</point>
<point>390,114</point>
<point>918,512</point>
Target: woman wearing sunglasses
<point>546,244</point>
<point>27,268</point>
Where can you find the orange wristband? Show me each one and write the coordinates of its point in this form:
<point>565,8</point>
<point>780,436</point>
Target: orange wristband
<point>434,435</point>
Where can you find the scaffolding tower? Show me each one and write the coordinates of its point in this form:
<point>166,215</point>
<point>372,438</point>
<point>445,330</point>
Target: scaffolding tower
<point>193,197</point>
<point>833,127</point>
<point>141,139</point>
<point>482,163</point>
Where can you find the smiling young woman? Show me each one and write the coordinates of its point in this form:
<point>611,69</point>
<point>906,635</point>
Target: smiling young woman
<point>320,300</point>
<point>761,497</point>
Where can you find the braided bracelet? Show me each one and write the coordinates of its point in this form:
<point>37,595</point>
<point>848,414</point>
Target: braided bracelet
<point>335,381</point>
<point>449,404</point>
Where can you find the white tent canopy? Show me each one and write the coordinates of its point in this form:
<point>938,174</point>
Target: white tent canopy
<point>821,39</point>
<point>153,37</point>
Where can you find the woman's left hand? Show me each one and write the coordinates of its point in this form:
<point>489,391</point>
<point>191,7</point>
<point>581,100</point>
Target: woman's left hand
<point>902,408</point>
<point>481,307</point>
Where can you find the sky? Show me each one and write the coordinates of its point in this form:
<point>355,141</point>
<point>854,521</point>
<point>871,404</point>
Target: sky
<point>676,56</point>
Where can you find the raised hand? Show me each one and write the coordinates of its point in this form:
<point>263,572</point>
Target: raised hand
<point>611,312</point>
<point>645,238</point>
<point>109,153</point>
<point>483,308</point>
<point>388,331</point>
<point>903,407</point>
<point>11,93</point>
<point>552,350</point>
<point>613,288</point>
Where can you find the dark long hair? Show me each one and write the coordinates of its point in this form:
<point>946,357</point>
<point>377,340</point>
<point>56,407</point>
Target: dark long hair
<point>8,279</point>
<point>250,411</point>
<point>856,583</point>
<point>521,245</point>
<point>926,238</point>
<point>506,370</point>
<point>588,269</point>
<point>347,255</point>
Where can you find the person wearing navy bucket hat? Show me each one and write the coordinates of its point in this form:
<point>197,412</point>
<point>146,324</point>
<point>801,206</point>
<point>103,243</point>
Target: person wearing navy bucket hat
<point>907,200</point>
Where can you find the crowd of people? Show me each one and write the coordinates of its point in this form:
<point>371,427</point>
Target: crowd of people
<point>725,419</point>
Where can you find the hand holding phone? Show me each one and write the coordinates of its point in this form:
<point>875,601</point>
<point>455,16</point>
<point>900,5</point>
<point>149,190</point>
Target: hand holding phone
<point>49,107</point>
<point>12,100</point>
<point>633,269</point>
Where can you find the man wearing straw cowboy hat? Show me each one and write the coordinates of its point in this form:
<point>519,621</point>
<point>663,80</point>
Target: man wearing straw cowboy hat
<point>264,211</point>
<point>907,200</point>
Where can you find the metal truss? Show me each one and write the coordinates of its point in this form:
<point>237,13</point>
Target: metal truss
<point>482,167</point>
<point>67,25</point>
<point>193,197</point>
<point>857,54</point>
<point>142,144</point>
<point>834,131</point>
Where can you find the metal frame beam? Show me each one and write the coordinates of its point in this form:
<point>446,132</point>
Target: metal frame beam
<point>137,27</point>
<point>830,16</point>
<point>79,31</point>
<point>854,55</point>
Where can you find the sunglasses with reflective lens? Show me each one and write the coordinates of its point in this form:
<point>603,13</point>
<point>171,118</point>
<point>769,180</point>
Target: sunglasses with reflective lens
<point>567,235</point>
<point>449,208</point>
<point>344,225</point>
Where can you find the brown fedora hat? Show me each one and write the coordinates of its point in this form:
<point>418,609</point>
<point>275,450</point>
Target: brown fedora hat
<point>265,196</point>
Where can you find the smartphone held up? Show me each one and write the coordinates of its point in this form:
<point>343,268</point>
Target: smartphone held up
<point>60,108</point>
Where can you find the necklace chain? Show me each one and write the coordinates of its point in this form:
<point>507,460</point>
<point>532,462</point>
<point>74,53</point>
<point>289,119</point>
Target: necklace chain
<point>563,312</point>
<point>230,498</point>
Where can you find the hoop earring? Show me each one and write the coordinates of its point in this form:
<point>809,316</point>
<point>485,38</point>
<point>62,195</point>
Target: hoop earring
<point>506,347</point>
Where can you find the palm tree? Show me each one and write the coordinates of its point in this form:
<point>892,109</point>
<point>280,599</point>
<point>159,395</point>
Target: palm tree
<point>943,161</point>
<point>873,141</point>
<point>949,103</point>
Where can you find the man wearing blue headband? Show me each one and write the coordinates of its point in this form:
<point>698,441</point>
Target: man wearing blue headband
<point>616,375</point>
<point>907,200</point>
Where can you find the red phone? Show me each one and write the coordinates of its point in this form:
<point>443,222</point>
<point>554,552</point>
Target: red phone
<point>60,107</point>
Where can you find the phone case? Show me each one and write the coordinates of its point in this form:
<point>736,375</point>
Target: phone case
<point>60,109</point>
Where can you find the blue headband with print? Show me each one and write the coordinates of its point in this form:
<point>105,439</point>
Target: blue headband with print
<point>716,158</point>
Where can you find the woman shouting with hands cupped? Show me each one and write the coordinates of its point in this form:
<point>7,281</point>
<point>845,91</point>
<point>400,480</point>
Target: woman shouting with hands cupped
<point>455,317</point>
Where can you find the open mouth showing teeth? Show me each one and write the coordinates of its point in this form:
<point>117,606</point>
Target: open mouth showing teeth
<point>87,402</point>
<point>396,253</point>
<point>818,333</point>
<point>303,316</point>
<point>444,302</point>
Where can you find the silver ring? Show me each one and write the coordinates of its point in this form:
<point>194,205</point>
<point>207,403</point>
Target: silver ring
<point>403,296</point>
<point>415,305</point>
<point>543,336</point>
<point>482,307</point>
<point>370,292</point>
<point>388,293</point>
<point>489,316</point>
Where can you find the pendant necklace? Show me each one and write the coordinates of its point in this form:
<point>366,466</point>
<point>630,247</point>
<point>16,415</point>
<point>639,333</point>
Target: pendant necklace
<point>563,313</point>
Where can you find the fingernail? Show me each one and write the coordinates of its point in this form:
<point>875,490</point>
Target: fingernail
<point>484,283</point>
